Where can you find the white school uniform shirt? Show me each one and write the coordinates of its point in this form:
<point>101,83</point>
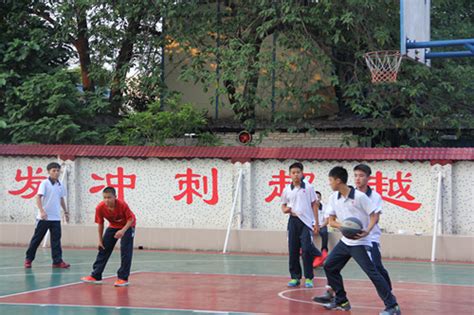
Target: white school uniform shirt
<point>51,198</point>
<point>357,205</point>
<point>322,214</point>
<point>377,201</point>
<point>299,199</point>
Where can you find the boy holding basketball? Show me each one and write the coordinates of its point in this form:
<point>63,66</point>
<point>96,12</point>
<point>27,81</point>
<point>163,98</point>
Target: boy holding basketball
<point>121,226</point>
<point>300,202</point>
<point>348,203</point>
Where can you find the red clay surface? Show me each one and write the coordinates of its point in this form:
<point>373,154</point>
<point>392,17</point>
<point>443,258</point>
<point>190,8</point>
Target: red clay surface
<point>250,294</point>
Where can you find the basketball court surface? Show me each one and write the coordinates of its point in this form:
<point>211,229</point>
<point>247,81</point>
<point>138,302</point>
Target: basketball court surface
<point>184,282</point>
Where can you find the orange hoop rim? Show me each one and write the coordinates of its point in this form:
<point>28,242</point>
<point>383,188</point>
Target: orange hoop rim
<point>383,65</point>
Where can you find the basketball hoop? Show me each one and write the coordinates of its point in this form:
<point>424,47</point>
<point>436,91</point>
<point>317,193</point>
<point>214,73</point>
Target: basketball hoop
<point>383,65</point>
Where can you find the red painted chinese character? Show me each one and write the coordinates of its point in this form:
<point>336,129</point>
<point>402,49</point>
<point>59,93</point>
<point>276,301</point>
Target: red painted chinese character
<point>191,184</point>
<point>32,182</point>
<point>280,181</point>
<point>392,190</point>
<point>115,181</point>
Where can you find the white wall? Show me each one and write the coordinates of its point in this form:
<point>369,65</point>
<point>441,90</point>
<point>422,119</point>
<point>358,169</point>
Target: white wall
<point>152,199</point>
<point>394,218</point>
<point>463,198</point>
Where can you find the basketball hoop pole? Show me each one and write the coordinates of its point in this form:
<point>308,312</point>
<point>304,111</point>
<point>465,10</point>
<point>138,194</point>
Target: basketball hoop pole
<point>437,215</point>
<point>232,211</point>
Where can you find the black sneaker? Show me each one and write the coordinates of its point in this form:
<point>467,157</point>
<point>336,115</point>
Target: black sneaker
<point>324,299</point>
<point>344,306</point>
<point>392,311</point>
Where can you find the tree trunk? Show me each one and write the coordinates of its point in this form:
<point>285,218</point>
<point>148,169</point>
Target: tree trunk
<point>342,71</point>
<point>122,65</point>
<point>81,43</point>
<point>251,85</point>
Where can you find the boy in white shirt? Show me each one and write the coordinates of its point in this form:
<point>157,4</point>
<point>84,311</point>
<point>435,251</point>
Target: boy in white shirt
<point>49,200</point>
<point>362,174</point>
<point>299,200</point>
<point>344,203</point>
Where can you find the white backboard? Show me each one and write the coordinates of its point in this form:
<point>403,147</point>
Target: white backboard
<point>415,26</point>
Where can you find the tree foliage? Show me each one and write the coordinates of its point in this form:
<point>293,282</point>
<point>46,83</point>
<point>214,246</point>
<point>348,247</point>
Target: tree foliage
<point>118,88</point>
<point>156,127</point>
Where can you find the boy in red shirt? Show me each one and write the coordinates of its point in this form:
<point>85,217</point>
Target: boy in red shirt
<point>121,226</point>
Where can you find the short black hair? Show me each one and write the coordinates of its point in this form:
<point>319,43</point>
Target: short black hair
<point>318,193</point>
<point>53,165</point>
<point>339,172</point>
<point>109,190</point>
<point>364,168</point>
<point>296,165</point>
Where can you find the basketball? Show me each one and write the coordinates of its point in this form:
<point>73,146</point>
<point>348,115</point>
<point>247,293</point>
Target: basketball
<point>351,227</point>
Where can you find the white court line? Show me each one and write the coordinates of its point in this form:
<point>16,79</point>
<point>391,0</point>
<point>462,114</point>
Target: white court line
<point>48,274</point>
<point>283,258</point>
<point>177,272</point>
<point>54,287</point>
<point>284,276</point>
<point>160,260</point>
<point>125,307</point>
<point>282,295</point>
<point>196,273</point>
<point>262,275</point>
<point>427,263</point>
<point>211,260</point>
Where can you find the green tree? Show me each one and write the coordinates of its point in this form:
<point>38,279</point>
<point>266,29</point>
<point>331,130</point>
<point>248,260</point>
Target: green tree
<point>234,41</point>
<point>425,100</point>
<point>118,34</point>
<point>50,110</point>
<point>320,43</point>
<point>40,101</point>
<point>157,127</point>
<point>336,34</point>
<point>26,50</point>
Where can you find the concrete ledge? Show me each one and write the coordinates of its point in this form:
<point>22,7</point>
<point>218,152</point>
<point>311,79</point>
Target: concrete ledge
<point>449,248</point>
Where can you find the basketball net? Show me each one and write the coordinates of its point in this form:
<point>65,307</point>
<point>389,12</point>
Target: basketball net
<point>383,65</point>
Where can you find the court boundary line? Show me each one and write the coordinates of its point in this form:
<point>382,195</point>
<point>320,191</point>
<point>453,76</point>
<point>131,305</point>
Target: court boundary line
<point>282,295</point>
<point>48,274</point>
<point>122,307</point>
<point>420,264</point>
<point>283,276</point>
<point>245,254</point>
<point>54,287</point>
<point>154,261</point>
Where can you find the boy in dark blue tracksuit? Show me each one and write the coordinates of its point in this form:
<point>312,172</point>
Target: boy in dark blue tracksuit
<point>299,200</point>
